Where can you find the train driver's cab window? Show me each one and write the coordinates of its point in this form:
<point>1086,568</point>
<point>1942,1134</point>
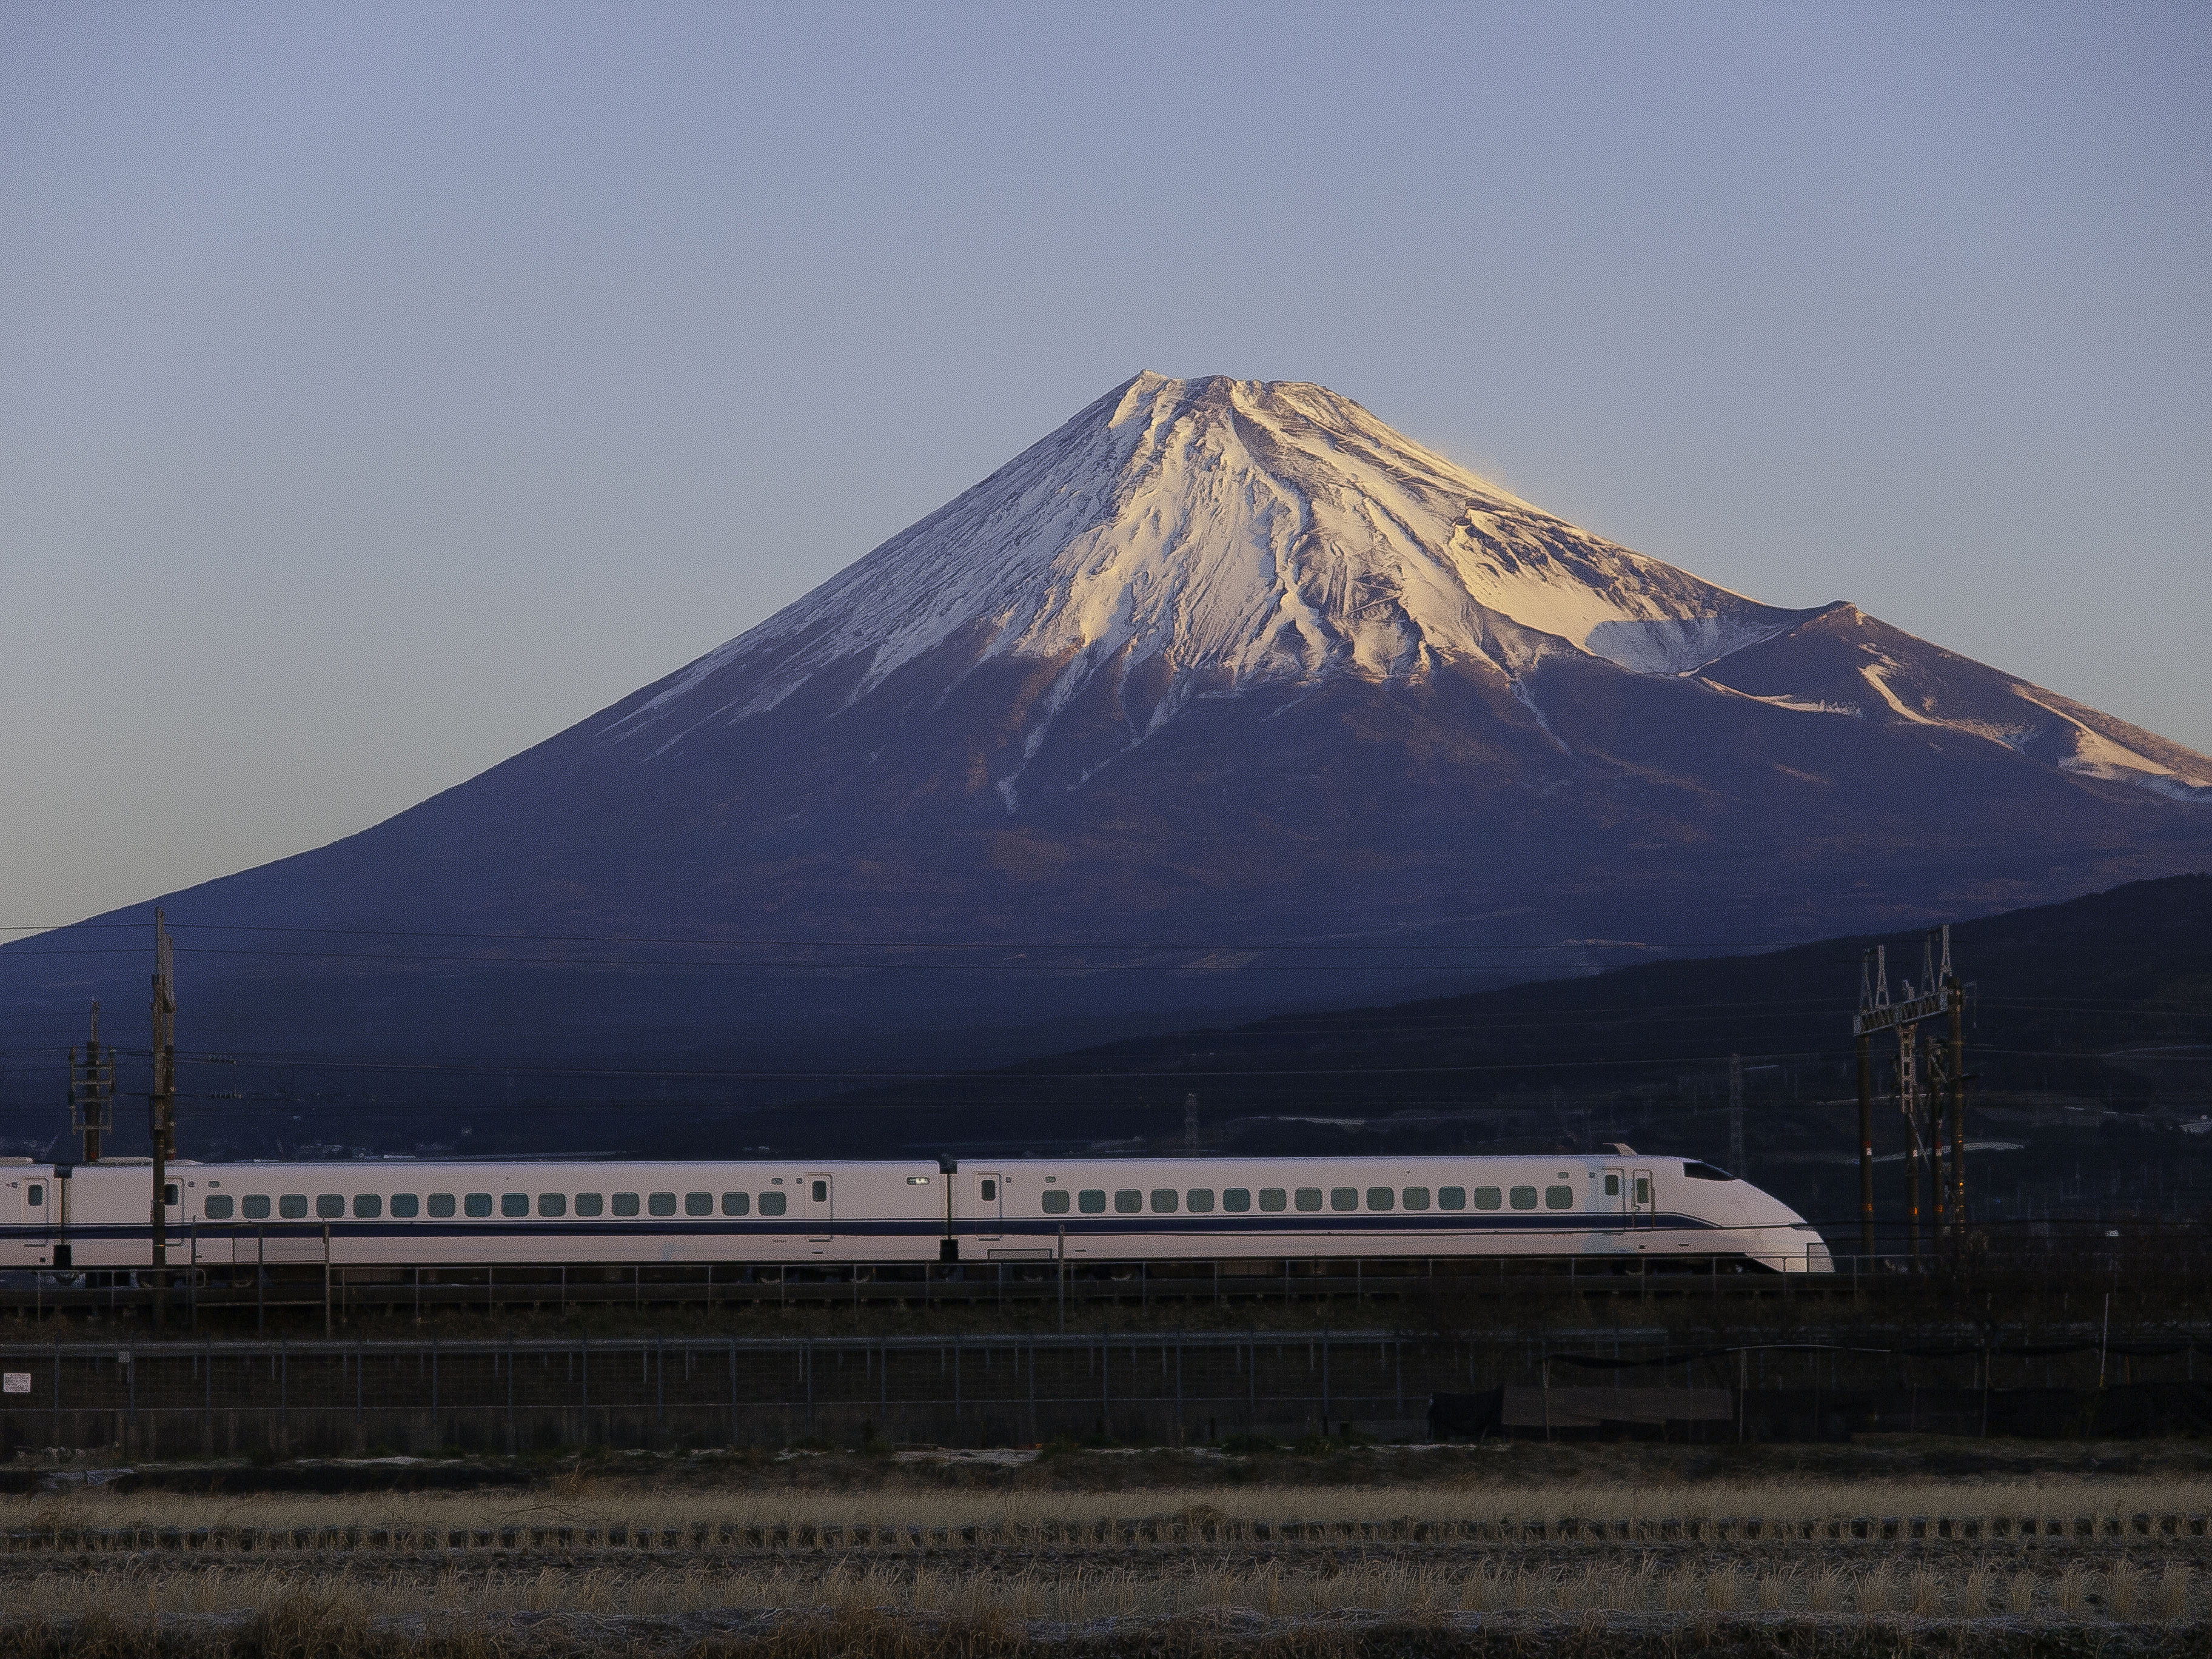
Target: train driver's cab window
<point>514,1203</point>
<point>1451,1197</point>
<point>1559,1197</point>
<point>591,1203</point>
<point>1706,1172</point>
<point>216,1206</point>
<point>1127,1201</point>
<point>1488,1198</point>
<point>1380,1198</point>
<point>476,1204</point>
<point>256,1205</point>
<point>1238,1198</point>
<point>442,1207</point>
<point>1273,1198</point>
<point>1199,1199</point>
<point>1524,1198</point>
<point>406,1207</point>
<point>660,1204</point>
<point>1417,1198</point>
<point>552,1204</point>
<point>1165,1201</point>
<point>1309,1198</point>
<point>368,1206</point>
<point>771,1203</point>
<point>737,1203</point>
<point>292,1206</point>
<point>1055,1202</point>
<point>1091,1200</point>
<point>625,1203</point>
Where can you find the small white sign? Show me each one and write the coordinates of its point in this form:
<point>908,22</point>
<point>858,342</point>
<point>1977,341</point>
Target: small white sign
<point>15,1382</point>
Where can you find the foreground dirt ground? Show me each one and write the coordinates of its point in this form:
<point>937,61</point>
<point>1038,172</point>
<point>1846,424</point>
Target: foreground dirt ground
<point>1892,1545</point>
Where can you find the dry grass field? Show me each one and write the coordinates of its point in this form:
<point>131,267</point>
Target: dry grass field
<point>1474,1553</point>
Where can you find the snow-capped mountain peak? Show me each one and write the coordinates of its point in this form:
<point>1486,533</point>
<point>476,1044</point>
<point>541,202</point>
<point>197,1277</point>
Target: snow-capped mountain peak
<point>1243,532</point>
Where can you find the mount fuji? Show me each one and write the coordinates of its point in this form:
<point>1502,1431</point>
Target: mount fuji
<point>1224,667</point>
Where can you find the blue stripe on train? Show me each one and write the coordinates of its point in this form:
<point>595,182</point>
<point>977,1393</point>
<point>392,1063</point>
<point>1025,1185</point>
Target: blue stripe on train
<point>1044,1231</point>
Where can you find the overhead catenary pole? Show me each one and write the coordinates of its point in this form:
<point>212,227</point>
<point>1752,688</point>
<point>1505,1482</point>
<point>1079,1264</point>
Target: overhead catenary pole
<point>1955,994</point>
<point>1735,1115</point>
<point>91,1090</point>
<point>1907,1102</point>
<point>161,1106</point>
<point>1874,994</point>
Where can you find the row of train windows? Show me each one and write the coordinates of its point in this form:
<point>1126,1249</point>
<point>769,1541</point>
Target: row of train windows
<point>406,1207</point>
<point>1199,1201</point>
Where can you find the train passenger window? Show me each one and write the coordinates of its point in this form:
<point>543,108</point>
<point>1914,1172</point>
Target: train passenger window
<point>330,1206</point>
<point>257,1208</point>
<point>1559,1197</point>
<point>737,1203</point>
<point>1524,1198</point>
<point>1344,1198</point>
<point>1165,1201</point>
<point>1451,1197</point>
<point>1417,1198</point>
<point>590,1203</point>
<point>552,1204</point>
<point>368,1206</point>
<point>442,1205</point>
<point>1487,1198</point>
<point>216,1208</point>
<point>1380,1198</point>
<point>1309,1198</point>
<point>660,1204</point>
<point>1238,1198</point>
<point>625,1203</point>
<point>514,1203</point>
<point>1612,1185</point>
<point>1055,1203</point>
<point>476,1204</point>
<point>292,1206</point>
<point>1127,1201</point>
<point>698,1204</point>
<point>1091,1200</point>
<point>406,1207</point>
<point>35,1193</point>
<point>771,1203</point>
<point>1199,1199</point>
<point>1270,1198</point>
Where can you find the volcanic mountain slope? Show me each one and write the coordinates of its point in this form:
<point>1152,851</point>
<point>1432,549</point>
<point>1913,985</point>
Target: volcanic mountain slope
<point>1219,663</point>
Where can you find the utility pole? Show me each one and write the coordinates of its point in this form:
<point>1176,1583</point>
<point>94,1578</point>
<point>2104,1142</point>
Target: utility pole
<point>162,1108</point>
<point>1955,994</point>
<point>1190,1123</point>
<point>1736,1166</point>
<point>91,1090</point>
<point>1908,1100</point>
<point>1866,1110</point>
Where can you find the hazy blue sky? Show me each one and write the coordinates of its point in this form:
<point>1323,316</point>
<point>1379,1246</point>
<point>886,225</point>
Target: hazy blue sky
<point>383,387</point>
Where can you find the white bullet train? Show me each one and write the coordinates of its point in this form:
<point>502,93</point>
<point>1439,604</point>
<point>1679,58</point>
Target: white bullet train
<point>1614,1208</point>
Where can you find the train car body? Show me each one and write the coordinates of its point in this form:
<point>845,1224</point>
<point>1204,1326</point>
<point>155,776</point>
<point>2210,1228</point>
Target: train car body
<point>403,1213</point>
